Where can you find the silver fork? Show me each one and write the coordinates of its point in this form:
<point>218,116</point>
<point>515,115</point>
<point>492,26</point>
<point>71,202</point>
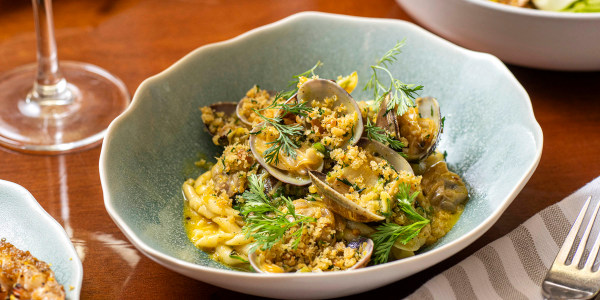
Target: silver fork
<point>566,279</point>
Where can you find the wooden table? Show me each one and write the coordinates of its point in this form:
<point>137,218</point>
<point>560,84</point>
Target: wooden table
<point>135,39</point>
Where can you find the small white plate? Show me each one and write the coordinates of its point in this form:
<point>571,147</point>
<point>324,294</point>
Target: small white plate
<point>27,226</point>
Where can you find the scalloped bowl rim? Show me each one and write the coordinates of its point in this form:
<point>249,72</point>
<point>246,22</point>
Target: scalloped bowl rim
<point>58,230</point>
<point>425,258</point>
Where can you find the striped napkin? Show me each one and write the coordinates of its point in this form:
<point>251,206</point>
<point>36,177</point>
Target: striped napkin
<point>513,266</point>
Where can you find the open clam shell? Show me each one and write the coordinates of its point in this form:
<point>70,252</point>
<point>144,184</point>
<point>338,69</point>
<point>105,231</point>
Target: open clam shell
<point>367,251</point>
<point>225,107</point>
<point>355,244</point>
<point>312,90</point>
<point>282,175</point>
<point>429,108</point>
<point>345,207</point>
<point>240,115</point>
<point>339,203</point>
<point>387,119</point>
<point>320,89</point>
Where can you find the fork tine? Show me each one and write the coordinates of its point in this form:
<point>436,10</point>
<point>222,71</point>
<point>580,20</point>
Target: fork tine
<point>570,239</point>
<point>595,248</point>
<point>583,241</point>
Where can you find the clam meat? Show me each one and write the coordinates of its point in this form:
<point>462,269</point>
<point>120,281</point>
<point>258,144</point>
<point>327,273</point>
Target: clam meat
<point>222,123</point>
<point>318,239</point>
<point>420,127</point>
<point>332,120</point>
<point>361,185</point>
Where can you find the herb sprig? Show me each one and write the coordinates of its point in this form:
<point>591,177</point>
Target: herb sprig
<point>379,134</point>
<point>401,95</point>
<point>265,221</point>
<point>387,234</point>
<point>288,134</point>
<point>294,83</point>
<point>287,139</point>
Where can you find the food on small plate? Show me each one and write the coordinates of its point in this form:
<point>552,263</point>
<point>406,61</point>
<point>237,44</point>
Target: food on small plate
<point>22,276</point>
<point>556,5</point>
<point>312,180</point>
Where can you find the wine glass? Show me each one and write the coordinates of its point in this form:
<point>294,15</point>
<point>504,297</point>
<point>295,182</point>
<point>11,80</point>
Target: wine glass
<point>52,108</point>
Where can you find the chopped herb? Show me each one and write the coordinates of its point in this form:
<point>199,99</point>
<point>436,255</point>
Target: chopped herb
<point>380,135</point>
<point>445,155</point>
<point>402,95</point>
<point>387,214</point>
<point>288,134</point>
<point>353,185</point>
<point>238,258</point>
<point>265,221</point>
<point>319,147</point>
<point>443,121</point>
<point>388,233</point>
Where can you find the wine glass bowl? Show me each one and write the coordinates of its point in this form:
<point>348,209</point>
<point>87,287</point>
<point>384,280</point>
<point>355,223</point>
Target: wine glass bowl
<point>52,107</point>
<point>75,118</point>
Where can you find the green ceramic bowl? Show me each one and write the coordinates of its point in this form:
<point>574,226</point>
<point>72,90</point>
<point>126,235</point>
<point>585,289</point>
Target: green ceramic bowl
<point>26,225</point>
<point>491,136</point>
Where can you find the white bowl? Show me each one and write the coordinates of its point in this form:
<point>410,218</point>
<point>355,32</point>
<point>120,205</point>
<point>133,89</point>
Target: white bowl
<point>26,225</point>
<point>149,151</point>
<point>526,37</point>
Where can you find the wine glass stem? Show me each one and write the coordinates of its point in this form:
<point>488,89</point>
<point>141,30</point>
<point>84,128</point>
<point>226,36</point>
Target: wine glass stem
<point>50,87</point>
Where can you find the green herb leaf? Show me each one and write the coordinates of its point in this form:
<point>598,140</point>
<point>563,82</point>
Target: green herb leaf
<point>294,83</point>
<point>375,133</point>
<point>353,185</point>
<point>265,221</point>
<point>387,234</point>
<point>321,148</point>
<point>288,134</point>
<point>402,95</point>
<point>238,258</point>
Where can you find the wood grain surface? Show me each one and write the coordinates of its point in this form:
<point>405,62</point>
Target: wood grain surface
<point>135,39</point>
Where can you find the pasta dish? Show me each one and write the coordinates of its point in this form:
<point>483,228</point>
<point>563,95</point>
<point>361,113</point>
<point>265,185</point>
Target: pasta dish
<point>312,180</point>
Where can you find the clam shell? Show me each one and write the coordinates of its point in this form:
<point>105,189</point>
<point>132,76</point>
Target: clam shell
<point>226,107</point>
<point>238,108</point>
<point>345,207</point>
<point>398,162</point>
<point>339,203</point>
<point>387,119</point>
<point>282,175</point>
<point>319,90</point>
<point>429,108</point>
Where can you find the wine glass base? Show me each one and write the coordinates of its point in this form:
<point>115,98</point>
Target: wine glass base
<point>54,127</point>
